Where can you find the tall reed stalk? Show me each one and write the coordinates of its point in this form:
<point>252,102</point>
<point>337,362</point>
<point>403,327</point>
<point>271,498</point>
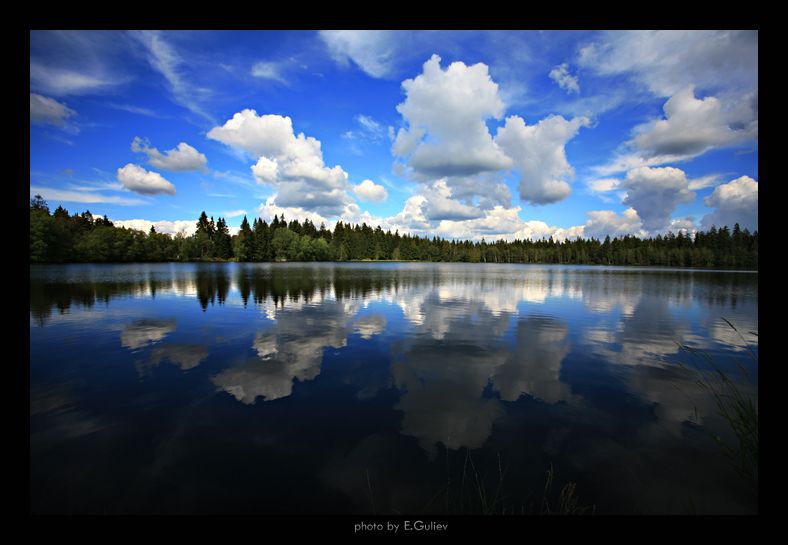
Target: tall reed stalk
<point>736,402</point>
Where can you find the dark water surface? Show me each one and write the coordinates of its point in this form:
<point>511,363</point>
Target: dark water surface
<point>388,388</point>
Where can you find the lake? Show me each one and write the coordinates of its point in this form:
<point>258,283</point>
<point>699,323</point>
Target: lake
<point>384,388</point>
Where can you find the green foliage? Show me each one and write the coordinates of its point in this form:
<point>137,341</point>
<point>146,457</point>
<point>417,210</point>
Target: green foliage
<point>493,491</point>
<point>284,244</point>
<point>60,237</point>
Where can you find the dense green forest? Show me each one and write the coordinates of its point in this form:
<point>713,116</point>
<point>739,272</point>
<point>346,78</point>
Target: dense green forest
<point>59,237</point>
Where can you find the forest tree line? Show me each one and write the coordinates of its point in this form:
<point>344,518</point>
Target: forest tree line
<point>58,237</point>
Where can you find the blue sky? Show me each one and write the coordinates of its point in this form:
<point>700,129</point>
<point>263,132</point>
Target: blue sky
<point>460,134</point>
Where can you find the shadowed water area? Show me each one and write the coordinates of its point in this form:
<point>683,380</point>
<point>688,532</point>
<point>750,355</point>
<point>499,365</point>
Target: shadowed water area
<point>384,387</point>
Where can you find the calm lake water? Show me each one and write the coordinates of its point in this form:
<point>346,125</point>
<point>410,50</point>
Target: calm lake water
<point>386,387</point>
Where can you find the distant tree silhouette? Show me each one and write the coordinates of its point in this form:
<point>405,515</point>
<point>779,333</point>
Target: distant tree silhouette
<point>60,237</point>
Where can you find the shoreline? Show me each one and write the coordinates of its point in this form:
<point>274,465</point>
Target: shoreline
<point>279,262</point>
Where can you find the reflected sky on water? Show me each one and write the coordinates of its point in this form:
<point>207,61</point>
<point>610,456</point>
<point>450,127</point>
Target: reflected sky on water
<point>269,388</point>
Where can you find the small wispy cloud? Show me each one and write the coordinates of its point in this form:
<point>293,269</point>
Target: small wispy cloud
<point>704,182</point>
<point>273,71</point>
<point>182,158</point>
<point>566,81</point>
<point>81,196</point>
<point>136,110</point>
<point>59,138</point>
<point>48,111</point>
<point>63,81</point>
<point>371,128</point>
<point>77,62</point>
<point>235,178</point>
<point>97,186</point>
<point>234,213</point>
<point>163,57</point>
<point>603,184</point>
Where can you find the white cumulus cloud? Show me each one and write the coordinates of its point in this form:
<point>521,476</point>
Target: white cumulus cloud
<point>539,155</point>
<point>451,106</point>
<point>267,135</point>
<point>180,159</point>
<point>291,164</point>
<point>693,126</point>
<point>369,191</point>
<point>439,204</point>
<point>684,225</point>
<point>655,193</point>
<point>734,202</point>
<point>187,227</point>
<point>672,63</point>
<point>602,223</point>
<point>137,179</point>
<point>411,219</point>
<point>447,147</point>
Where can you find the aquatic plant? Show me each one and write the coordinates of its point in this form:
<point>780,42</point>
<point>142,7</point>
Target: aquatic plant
<point>736,402</point>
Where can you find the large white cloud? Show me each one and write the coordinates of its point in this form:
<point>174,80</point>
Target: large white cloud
<point>439,204</point>
<point>411,219</point>
<point>49,111</point>
<point>693,126</point>
<point>137,179</point>
<point>180,159</point>
<point>683,225</point>
<point>450,106</point>
<point>265,135</point>
<point>291,164</point>
<point>655,193</point>
<point>369,191</point>
<point>602,223</point>
<point>446,146</point>
<point>539,155</point>
<point>672,63</point>
<point>506,224</point>
<point>734,202</point>
<point>498,222</point>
